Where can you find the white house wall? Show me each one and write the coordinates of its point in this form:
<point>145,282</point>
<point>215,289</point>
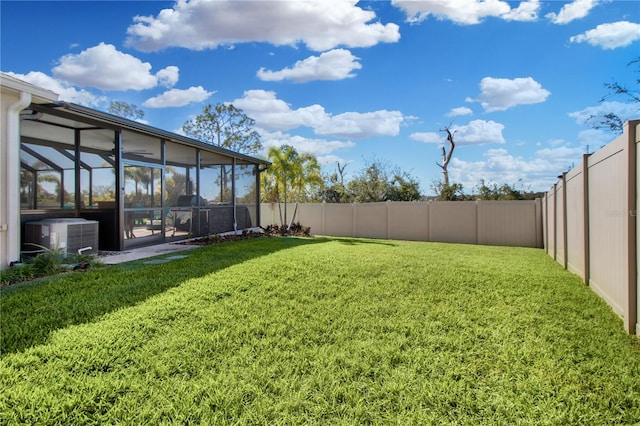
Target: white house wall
<point>12,92</point>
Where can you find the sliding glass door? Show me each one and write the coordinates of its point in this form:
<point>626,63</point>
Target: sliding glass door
<point>144,221</point>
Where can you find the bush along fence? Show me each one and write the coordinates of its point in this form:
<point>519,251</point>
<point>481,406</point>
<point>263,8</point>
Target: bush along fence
<point>505,223</point>
<point>591,223</point>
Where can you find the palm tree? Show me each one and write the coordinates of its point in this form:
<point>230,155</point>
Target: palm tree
<point>289,171</point>
<point>306,174</point>
<point>280,174</point>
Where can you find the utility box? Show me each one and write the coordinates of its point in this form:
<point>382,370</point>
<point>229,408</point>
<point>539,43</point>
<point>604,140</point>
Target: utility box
<point>70,235</point>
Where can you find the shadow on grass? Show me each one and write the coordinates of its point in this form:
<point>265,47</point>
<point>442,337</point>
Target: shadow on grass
<point>359,241</point>
<point>31,311</point>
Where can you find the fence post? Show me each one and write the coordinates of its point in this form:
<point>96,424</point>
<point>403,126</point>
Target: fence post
<point>354,219</point>
<point>585,212</point>
<point>631,308</point>
<point>555,221</point>
<point>477,221</point>
<point>565,232</point>
<point>428,215</point>
<point>545,223</point>
<point>386,234</point>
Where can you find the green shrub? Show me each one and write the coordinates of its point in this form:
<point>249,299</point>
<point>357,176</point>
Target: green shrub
<point>15,274</point>
<point>49,262</point>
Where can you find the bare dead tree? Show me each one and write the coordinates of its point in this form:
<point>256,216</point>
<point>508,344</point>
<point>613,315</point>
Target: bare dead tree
<point>446,156</point>
<point>341,171</point>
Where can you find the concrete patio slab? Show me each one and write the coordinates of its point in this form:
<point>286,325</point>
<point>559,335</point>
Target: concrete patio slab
<point>144,253</point>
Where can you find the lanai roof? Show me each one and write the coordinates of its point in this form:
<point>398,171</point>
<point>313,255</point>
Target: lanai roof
<point>80,117</point>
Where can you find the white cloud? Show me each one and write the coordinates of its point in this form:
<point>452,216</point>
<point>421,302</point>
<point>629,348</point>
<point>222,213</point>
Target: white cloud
<point>168,77</point>
<point>561,153</point>
<point>361,125</point>
<point>525,12</point>
<point>336,64</point>
<point>456,112</point>
<point>66,92</point>
<point>271,113</point>
<point>467,12</point>
<point>530,174</point>
<point>206,24</point>
<point>557,142</point>
<point>593,139</point>
<point>499,94</point>
<point>610,36</point>
<point>427,137</point>
<point>321,148</point>
<point>104,67</point>
<point>302,144</point>
<point>626,111</point>
<point>178,98</point>
<point>572,11</point>
<point>476,132</point>
<point>326,160</point>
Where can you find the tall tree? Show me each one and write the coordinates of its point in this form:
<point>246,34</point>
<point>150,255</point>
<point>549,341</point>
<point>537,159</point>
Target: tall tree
<point>226,126</point>
<point>290,177</point>
<point>403,187</point>
<point>276,178</point>
<point>306,175</point>
<point>446,156</point>
<point>341,171</point>
<point>369,185</point>
<point>611,121</point>
<point>332,189</point>
<point>125,110</point>
<point>380,182</point>
<point>451,192</point>
<point>491,191</point>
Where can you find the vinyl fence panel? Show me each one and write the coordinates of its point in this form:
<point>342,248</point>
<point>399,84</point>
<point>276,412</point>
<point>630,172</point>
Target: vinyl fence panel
<point>575,221</point>
<point>607,223</point>
<point>507,223</point>
<point>371,220</point>
<point>511,223</point>
<point>591,223</point>
<point>409,221</point>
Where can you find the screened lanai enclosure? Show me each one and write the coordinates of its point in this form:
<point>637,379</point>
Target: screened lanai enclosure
<point>141,185</point>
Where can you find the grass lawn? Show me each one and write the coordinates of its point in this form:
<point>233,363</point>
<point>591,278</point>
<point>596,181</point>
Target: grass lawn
<point>318,331</point>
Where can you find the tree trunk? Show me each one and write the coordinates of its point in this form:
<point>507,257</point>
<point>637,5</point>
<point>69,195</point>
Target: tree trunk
<point>446,157</point>
<point>445,172</point>
<point>285,201</point>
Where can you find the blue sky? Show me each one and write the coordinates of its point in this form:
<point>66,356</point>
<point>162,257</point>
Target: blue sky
<point>351,82</point>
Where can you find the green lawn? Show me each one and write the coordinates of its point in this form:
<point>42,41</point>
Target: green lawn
<point>318,331</point>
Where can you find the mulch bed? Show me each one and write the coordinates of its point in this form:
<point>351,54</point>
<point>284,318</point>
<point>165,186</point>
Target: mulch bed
<point>296,230</point>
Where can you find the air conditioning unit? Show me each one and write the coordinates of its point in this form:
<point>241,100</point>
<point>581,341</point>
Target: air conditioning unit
<point>70,235</point>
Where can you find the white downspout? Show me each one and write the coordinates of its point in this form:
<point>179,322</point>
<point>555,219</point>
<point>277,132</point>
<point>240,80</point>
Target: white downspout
<point>13,176</point>
<point>233,195</point>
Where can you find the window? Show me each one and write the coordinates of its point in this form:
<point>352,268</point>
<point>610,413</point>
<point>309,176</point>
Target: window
<point>48,176</point>
<point>215,178</point>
